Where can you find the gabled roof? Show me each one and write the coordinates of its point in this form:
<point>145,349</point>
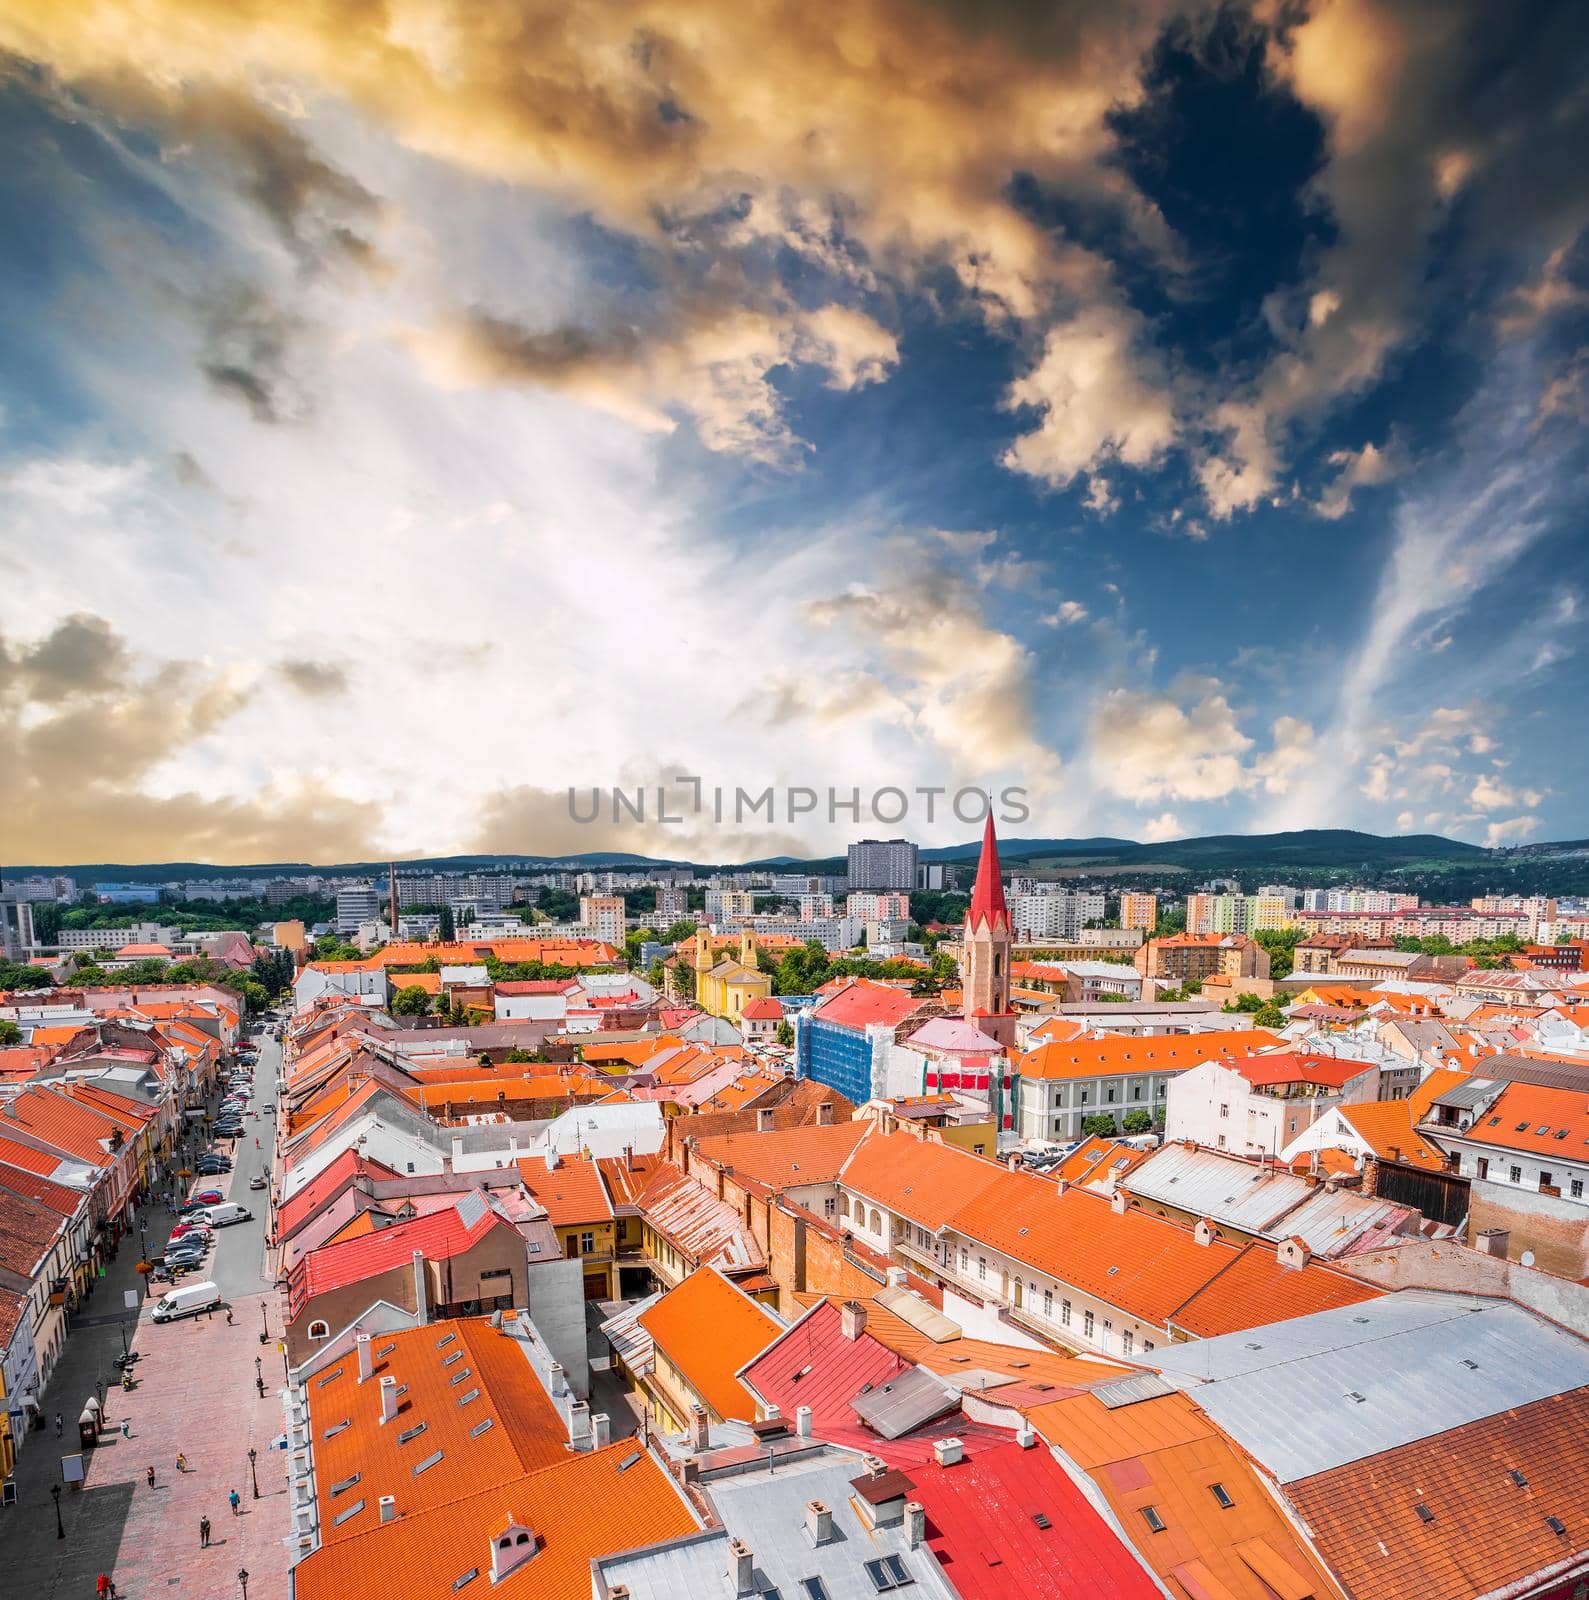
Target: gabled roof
<point>861,1002</point>
<point>1255,1289</point>
<point>1121,1054</point>
<point>920,1179</point>
<point>1295,1066</point>
<point>572,1192</point>
<point>1386,1127</point>
<point>709,1330</point>
<point>1541,1121</point>
<point>1486,1532</point>
<point>767,1009</point>
<point>700,1226</point>
<point>62,1122</point>
<point>788,1157</point>
<point>324,1187</point>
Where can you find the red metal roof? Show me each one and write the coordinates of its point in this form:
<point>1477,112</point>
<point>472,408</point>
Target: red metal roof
<point>321,1190</point>
<point>1290,1066</point>
<point>987,897</point>
<point>861,1002</point>
<point>982,1526</point>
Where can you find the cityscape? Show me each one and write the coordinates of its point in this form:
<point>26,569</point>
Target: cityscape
<point>790,800</point>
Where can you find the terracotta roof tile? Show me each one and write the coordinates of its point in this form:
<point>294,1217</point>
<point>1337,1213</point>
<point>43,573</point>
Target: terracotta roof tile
<point>787,1157</point>
<point>709,1330</point>
<point>1118,1054</point>
<point>1539,1120</point>
<point>918,1178</point>
<point>1255,1289</point>
<point>572,1193</point>
<point>862,1002</point>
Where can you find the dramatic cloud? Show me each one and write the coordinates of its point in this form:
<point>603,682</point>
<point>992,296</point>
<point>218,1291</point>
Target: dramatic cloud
<point>1147,747</point>
<point>85,731</point>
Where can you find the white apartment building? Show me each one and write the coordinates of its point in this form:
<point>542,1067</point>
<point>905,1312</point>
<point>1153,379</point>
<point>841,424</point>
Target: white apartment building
<point>1053,914</point>
<point>357,903</point>
<point>673,905</point>
<point>722,904</point>
<point>1259,1105</point>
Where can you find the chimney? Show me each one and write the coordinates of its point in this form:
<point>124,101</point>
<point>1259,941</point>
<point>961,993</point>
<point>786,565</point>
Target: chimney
<point>819,1523</point>
<point>1293,1253</point>
<point>947,1451</point>
<point>1061,1185</point>
<point>600,1431</point>
<point>1013,1162</point>
<point>618,1591</point>
<point>421,1292</point>
<point>700,1433</point>
<point>558,1387</point>
<point>915,1524</point>
<point>366,1365</point>
<point>741,1568</point>
<point>1119,1202</point>
<point>388,1399</point>
<point>1493,1241</point>
<point>852,1319</point>
<point>803,1421</point>
<point>764,1120</point>
<point>457,1150</point>
<point>628,1158</point>
<point>1204,1231</point>
<point>825,1114</point>
<point>551,1158</point>
<point>1026,1434</point>
<point>579,1422</point>
<point>388,1505</point>
<point>896,1277</point>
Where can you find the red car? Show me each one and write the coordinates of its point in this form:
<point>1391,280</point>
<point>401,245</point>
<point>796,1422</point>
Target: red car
<point>206,1197</point>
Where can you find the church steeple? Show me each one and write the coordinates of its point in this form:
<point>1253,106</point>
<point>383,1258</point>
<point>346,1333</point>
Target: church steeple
<point>987,897</point>
<point>986,948</point>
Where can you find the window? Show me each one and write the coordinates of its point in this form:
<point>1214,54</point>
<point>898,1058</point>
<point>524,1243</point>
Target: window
<point>814,1589</point>
<point>1064,1313</point>
<point>1110,1095</point>
<point>1222,1141</point>
<point>982,1268</point>
<point>587,1243</point>
<point>844,1205</point>
<point>1222,1495</point>
<point>888,1572</point>
<point>1127,1339</point>
<point>319,1330</point>
<point>1224,1111</point>
<point>1517,1174</point>
<point>877,1221</point>
<point>1576,1188</point>
<point>1048,1299</point>
<point>1082,1100</point>
<point>1086,1323</point>
<point>1147,1344</point>
<point>1544,1178</point>
<point>1150,1515</point>
<point>1484,1166</point>
<point>830,1207</point>
<point>965,1259</point>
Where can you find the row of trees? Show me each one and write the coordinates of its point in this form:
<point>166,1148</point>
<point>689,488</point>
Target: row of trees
<point>1102,1123</point>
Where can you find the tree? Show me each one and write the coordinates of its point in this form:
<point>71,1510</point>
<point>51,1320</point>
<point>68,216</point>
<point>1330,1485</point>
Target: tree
<point>446,929</point>
<point>784,1033</point>
<point>1243,1002</point>
<point>15,976</point>
<point>1269,1016</point>
<point>10,1033</point>
<point>1281,943</point>
<point>411,1001</point>
<point>1101,1123</point>
<point>633,940</point>
<point>1137,1122</point>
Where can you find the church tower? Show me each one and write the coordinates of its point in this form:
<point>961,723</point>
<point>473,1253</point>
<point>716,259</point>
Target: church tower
<point>986,949</point>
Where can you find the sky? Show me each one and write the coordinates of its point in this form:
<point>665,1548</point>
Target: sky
<point>412,413</point>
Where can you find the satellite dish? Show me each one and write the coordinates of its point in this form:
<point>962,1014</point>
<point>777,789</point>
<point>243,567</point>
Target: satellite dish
<point>1527,1258</point>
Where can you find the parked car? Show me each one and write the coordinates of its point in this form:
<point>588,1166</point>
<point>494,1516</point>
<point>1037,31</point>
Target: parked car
<point>227,1213</point>
<point>208,1167</point>
<point>187,1301</point>
<point>189,1226</point>
<point>204,1197</point>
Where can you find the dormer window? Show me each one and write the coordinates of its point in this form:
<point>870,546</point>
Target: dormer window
<point>512,1545</point>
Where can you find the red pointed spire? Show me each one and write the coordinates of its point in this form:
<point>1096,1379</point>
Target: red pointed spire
<point>987,898</point>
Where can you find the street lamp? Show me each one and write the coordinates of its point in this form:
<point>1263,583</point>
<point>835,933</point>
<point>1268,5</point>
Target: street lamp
<point>257,1373</point>
<point>100,1385</point>
<point>60,1527</point>
<point>242,1578</point>
<point>122,1328</point>
<point>253,1456</point>
<point>264,1323</point>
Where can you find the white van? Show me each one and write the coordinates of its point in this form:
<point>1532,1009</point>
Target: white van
<point>224,1214</point>
<point>187,1301</point>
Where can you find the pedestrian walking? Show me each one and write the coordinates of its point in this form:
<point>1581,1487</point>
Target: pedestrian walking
<point>236,1500</point>
<point>228,1316</point>
<point>204,1533</point>
<point>182,1462</point>
<point>149,1474</point>
<point>102,1587</point>
<point>126,1428</point>
<point>60,1422</point>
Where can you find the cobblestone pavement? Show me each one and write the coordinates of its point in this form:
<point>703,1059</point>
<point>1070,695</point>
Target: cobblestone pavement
<point>196,1395</point>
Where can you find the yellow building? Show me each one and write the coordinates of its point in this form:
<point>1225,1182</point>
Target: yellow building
<point>580,1212</point>
<point>288,936</point>
<point>726,987</point>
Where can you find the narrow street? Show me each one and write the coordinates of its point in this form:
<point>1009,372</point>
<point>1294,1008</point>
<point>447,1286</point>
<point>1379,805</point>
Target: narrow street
<point>196,1395</point>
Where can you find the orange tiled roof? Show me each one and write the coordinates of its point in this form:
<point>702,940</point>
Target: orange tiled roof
<point>1122,1054</point>
<point>422,1556</point>
<point>572,1193</point>
<point>1096,1159</point>
<point>1487,1532</point>
<point>1539,1120</point>
<point>1386,1126</point>
<point>1430,1090</point>
<point>1255,1290</point>
<point>918,1178</point>
<point>786,1157</point>
<point>1165,1453</point>
<point>709,1330</point>
<point>430,982</point>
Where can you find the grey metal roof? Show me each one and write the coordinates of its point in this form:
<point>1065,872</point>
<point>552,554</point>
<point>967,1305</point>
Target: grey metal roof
<point>909,1307</point>
<point>1331,1223</point>
<point>1221,1187</point>
<point>1470,1093</point>
<point>1128,1391</point>
<point>630,1342</point>
<point>767,1511</point>
<point>1317,1392</point>
<point>903,1403</point>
